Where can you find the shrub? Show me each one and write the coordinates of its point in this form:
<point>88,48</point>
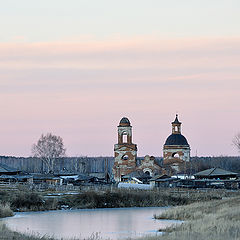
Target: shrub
<point>5,210</point>
<point>27,201</point>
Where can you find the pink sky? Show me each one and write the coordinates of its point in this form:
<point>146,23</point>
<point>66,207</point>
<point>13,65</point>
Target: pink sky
<point>76,69</point>
<point>81,90</point>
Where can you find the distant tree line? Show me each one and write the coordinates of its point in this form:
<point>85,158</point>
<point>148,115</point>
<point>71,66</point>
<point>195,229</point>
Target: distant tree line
<point>48,155</point>
<point>81,164</point>
<point>198,164</point>
<point>103,164</point>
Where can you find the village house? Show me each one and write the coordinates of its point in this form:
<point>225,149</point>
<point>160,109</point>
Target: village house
<point>6,170</point>
<point>12,175</point>
<point>162,180</point>
<point>216,173</point>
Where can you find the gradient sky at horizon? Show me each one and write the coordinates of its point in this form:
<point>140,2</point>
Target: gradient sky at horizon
<point>76,68</point>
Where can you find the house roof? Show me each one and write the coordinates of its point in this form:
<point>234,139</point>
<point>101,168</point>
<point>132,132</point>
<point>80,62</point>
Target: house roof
<point>137,174</point>
<point>162,176</point>
<point>45,177</point>
<point>83,177</point>
<point>6,169</point>
<point>98,175</point>
<point>137,180</point>
<point>16,177</point>
<point>64,173</point>
<point>215,172</point>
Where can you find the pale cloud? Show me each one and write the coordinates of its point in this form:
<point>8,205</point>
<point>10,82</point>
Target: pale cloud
<point>146,54</point>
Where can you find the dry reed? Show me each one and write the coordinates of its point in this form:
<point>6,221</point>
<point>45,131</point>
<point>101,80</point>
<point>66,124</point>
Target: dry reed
<point>5,210</point>
<point>213,220</point>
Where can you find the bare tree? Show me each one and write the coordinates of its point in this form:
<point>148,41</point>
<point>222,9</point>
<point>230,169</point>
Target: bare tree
<point>236,141</point>
<point>48,148</point>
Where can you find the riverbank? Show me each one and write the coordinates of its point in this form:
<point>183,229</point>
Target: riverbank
<point>5,210</point>
<point>25,200</point>
<point>7,234</point>
<point>218,219</point>
<point>213,214</point>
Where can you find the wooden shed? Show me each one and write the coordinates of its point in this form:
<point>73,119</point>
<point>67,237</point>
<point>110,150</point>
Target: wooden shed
<point>216,173</point>
<point>6,170</point>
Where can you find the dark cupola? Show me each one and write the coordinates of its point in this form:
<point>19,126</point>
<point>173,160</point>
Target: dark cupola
<point>124,122</point>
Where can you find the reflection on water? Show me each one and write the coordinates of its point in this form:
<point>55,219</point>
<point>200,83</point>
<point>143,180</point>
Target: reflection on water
<point>113,223</point>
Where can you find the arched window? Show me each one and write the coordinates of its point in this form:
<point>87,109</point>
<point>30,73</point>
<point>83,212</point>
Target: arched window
<point>148,173</point>
<point>124,137</point>
<point>175,155</point>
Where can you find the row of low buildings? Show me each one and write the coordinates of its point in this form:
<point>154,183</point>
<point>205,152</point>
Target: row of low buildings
<point>11,175</point>
<point>210,178</point>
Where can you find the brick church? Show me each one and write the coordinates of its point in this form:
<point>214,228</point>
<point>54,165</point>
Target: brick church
<point>176,152</point>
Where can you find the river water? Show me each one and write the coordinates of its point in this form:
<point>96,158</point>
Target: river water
<point>108,223</point>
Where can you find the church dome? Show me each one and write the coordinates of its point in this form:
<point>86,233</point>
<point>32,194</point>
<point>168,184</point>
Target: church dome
<point>124,121</point>
<point>176,139</point>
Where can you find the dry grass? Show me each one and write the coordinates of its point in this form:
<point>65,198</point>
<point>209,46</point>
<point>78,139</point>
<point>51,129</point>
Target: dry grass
<point>5,210</point>
<point>215,220</point>
<point>199,209</point>
<point>6,234</point>
<point>27,201</point>
<point>139,198</point>
<point>21,200</point>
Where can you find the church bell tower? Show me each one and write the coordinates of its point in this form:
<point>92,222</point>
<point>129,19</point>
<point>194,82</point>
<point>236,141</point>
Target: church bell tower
<point>125,152</point>
<point>176,150</point>
<point>176,126</point>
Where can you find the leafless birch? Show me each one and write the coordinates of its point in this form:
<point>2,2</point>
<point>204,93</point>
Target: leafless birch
<point>48,148</point>
<point>236,141</point>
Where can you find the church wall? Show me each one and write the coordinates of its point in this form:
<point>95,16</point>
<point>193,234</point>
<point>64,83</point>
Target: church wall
<point>149,165</point>
<point>175,164</point>
<point>184,154</point>
<point>124,166</point>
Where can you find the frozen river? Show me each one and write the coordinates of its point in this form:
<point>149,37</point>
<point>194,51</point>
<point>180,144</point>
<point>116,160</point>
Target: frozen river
<point>109,223</point>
